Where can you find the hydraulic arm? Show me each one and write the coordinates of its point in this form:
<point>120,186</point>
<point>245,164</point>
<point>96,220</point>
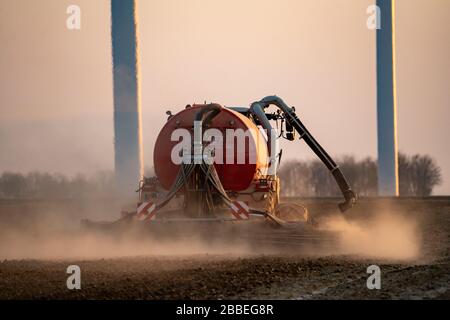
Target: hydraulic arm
<point>258,110</point>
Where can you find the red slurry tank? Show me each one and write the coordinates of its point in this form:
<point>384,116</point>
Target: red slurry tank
<point>234,176</point>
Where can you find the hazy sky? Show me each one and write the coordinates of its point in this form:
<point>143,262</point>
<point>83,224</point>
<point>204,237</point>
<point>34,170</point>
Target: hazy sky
<point>318,55</point>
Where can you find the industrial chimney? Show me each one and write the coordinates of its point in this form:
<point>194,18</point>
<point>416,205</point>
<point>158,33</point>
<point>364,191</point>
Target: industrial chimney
<point>387,102</point>
<point>127,105</point>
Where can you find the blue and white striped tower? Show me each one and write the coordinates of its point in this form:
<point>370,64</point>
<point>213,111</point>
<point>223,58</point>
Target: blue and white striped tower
<point>387,102</point>
<point>127,105</point>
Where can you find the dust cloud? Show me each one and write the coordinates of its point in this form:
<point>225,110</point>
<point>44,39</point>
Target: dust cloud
<point>43,233</point>
<point>385,235</point>
<point>72,244</point>
<point>37,232</point>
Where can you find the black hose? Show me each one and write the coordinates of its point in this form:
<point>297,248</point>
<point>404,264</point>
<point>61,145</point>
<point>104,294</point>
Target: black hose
<point>349,196</point>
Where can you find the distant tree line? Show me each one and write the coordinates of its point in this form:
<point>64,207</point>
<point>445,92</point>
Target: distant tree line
<point>418,175</point>
<point>45,185</point>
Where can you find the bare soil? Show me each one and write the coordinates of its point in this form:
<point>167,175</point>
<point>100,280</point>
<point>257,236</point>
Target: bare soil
<point>227,273</point>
